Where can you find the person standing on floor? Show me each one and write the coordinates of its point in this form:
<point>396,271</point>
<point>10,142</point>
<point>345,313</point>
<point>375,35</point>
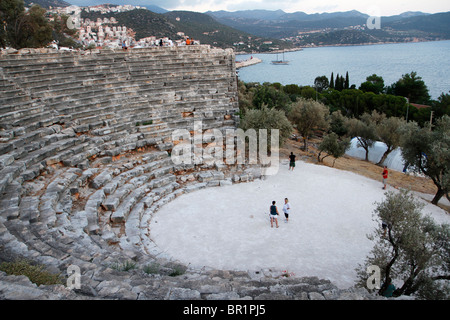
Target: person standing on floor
<point>292,161</point>
<point>274,214</point>
<point>286,209</point>
<point>385,177</point>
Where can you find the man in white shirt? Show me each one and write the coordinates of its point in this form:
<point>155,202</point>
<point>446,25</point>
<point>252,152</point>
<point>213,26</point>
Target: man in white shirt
<point>286,209</point>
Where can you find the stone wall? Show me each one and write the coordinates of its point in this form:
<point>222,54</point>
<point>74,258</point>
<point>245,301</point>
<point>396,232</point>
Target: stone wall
<point>85,142</point>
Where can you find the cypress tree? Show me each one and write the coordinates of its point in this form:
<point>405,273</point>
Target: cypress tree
<point>332,81</point>
<point>339,83</point>
<point>347,81</point>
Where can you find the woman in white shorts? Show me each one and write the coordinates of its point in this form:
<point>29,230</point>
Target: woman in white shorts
<point>273,214</point>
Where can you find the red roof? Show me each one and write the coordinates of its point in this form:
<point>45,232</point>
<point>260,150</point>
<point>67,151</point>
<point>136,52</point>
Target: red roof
<point>420,106</point>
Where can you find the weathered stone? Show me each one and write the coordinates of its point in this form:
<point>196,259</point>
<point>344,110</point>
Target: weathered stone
<point>101,179</point>
<point>6,160</point>
<point>315,296</point>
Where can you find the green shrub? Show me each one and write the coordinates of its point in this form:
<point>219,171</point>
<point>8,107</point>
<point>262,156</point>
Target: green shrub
<point>124,266</point>
<point>153,268</point>
<point>36,273</point>
<point>177,271</point>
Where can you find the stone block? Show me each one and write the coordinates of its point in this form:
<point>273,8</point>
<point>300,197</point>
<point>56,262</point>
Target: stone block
<point>205,176</point>
<point>6,160</point>
<point>101,179</point>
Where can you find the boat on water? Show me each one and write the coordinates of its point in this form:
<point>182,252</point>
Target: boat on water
<point>280,62</point>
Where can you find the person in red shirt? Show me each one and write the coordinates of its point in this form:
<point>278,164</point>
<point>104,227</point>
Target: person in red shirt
<point>385,176</point>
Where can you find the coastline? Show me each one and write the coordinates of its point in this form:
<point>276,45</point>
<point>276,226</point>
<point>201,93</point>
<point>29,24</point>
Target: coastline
<point>337,45</point>
<point>247,62</point>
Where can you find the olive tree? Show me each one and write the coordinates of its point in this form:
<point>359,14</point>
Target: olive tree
<point>413,250</point>
<point>265,118</point>
<point>332,146</point>
<point>364,130</point>
<point>428,152</point>
<point>309,115</point>
<point>389,132</point>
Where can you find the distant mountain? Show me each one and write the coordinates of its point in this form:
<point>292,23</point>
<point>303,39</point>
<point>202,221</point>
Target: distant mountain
<point>404,15</point>
<point>48,3</point>
<point>434,24</point>
<point>247,14</point>
<point>338,27</point>
<point>301,16</point>
<point>279,24</point>
<point>154,8</point>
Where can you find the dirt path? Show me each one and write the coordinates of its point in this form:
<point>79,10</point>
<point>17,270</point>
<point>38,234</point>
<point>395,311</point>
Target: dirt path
<point>361,167</point>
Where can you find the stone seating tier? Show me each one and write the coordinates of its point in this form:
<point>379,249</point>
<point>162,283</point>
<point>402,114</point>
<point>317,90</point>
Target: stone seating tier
<point>85,142</point>
<point>65,122</point>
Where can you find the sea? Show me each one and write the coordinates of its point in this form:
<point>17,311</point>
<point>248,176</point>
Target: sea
<point>430,60</point>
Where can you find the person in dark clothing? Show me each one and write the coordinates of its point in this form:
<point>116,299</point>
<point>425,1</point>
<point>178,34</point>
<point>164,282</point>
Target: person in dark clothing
<point>389,290</point>
<point>292,161</point>
<point>274,214</point>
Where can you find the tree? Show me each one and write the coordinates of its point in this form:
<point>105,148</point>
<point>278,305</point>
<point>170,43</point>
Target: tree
<point>293,90</point>
<point>373,84</point>
<point>412,87</point>
<point>321,83</point>
<point>428,152</point>
<point>20,29</point>
<point>37,31</point>
<point>339,83</point>
<point>332,81</point>
<point>272,97</point>
<point>309,115</point>
<point>62,33</point>
<point>441,107</point>
<point>347,81</point>
<point>365,132</point>
<point>11,13</point>
<point>265,118</point>
<point>333,147</point>
<point>245,94</point>
<point>337,123</point>
<point>389,132</point>
<point>412,250</point>
<point>308,92</point>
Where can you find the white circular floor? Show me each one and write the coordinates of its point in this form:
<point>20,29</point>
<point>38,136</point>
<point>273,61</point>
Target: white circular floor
<point>228,227</point>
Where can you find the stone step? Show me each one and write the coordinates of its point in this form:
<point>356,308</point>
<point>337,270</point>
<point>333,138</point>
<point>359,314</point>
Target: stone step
<point>121,213</point>
<point>48,79</point>
<point>8,100</point>
<point>20,107</point>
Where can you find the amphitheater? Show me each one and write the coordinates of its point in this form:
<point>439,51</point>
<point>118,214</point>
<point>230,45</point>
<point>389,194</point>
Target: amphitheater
<point>85,144</point>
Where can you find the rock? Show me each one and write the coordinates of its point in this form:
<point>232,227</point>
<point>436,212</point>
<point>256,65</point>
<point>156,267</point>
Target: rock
<point>183,294</point>
<point>315,296</point>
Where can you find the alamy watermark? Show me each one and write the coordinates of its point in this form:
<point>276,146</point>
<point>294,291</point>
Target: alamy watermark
<point>74,277</point>
<point>374,19</point>
<point>74,21</point>
<point>374,280</point>
<point>241,147</point>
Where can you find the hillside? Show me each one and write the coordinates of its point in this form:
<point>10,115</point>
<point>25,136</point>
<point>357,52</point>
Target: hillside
<point>208,30</point>
<point>282,25</point>
<point>198,26</point>
<point>144,22</point>
<point>48,3</point>
<point>437,24</point>
<point>337,28</point>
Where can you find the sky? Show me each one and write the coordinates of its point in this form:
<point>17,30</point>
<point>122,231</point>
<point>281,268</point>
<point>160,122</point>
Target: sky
<point>374,7</point>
